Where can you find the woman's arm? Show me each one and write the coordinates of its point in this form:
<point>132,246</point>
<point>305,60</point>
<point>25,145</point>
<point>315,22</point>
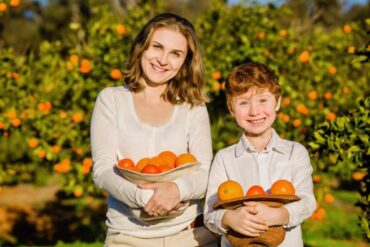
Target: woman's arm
<point>104,152</point>
<point>200,145</point>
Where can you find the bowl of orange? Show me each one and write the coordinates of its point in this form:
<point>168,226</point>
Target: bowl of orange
<point>231,196</point>
<point>166,166</point>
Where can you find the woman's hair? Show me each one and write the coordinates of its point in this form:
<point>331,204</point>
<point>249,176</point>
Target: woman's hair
<point>252,75</point>
<point>188,84</point>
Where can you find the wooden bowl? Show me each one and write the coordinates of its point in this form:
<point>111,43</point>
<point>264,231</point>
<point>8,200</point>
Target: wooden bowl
<point>273,236</point>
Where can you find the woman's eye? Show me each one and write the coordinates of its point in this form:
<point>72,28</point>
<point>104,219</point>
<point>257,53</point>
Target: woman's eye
<point>243,103</point>
<point>156,46</point>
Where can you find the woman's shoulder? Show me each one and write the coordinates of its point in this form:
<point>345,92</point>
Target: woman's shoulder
<point>109,92</point>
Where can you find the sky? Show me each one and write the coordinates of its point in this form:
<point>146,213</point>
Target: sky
<point>348,3</point>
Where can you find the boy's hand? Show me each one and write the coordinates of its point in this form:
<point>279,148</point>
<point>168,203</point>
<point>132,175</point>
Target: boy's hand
<point>244,221</point>
<point>272,216</point>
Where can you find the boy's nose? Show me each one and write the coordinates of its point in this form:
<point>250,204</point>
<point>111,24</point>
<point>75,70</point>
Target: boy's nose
<point>253,109</point>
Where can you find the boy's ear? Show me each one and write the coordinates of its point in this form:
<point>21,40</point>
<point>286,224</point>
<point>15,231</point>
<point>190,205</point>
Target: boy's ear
<point>229,106</point>
<point>278,104</point>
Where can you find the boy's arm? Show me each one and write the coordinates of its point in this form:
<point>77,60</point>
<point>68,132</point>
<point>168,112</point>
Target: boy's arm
<point>242,219</point>
<point>302,181</point>
<point>217,175</point>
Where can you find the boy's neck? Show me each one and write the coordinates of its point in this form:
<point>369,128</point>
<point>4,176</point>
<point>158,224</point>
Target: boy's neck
<point>259,142</point>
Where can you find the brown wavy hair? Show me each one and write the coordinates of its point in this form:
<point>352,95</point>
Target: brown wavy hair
<point>252,75</point>
<point>188,84</point>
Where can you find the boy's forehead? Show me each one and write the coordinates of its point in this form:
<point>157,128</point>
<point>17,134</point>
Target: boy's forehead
<point>253,92</point>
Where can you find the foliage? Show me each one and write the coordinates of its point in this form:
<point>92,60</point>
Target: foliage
<point>343,149</point>
<point>46,98</point>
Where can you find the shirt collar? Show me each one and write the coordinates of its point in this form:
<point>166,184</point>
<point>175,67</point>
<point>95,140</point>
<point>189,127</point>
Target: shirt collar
<point>276,143</point>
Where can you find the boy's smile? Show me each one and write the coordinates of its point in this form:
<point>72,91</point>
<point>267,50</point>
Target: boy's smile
<point>254,111</point>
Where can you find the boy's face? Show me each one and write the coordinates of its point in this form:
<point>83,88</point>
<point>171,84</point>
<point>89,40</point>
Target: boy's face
<point>254,111</point>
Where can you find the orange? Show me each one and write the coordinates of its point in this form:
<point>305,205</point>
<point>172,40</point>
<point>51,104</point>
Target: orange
<point>126,164</point>
<point>328,95</point>
<point>116,74</point>
<point>351,49</point>
<point>255,190</point>
<point>282,187</point>
<point>297,123</point>
<point>33,142</point>
<point>157,161</point>
<point>14,3</point>
<point>229,189</point>
<point>312,95</point>
<point>169,157</point>
<point>77,117</point>
<point>330,116</point>
<point>142,163</point>
<point>329,198</point>
<point>332,70</point>
<point>304,57</point>
<point>358,176</point>
<point>286,101</point>
<point>216,75</point>
<point>3,7</point>
<point>283,32</point>
<point>121,29</point>
<point>185,158</point>
<point>151,169</point>
<point>316,178</point>
<point>165,168</point>
<point>347,28</point>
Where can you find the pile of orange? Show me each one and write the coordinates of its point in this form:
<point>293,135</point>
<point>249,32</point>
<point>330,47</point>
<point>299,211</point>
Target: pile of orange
<point>164,161</point>
<point>231,189</point>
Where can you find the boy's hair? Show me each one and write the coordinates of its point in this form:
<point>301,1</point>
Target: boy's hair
<point>252,75</point>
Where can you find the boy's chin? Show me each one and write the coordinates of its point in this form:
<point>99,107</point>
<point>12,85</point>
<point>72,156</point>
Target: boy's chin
<point>256,133</point>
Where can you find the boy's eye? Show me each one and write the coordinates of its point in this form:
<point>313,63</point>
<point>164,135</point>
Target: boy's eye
<point>243,103</point>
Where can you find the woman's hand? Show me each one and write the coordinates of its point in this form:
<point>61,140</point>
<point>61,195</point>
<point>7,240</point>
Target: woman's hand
<point>244,221</point>
<point>166,197</point>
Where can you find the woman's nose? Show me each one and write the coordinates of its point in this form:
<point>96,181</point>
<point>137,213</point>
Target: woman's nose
<point>162,58</point>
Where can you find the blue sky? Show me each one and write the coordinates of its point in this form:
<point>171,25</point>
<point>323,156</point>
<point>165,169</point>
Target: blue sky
<point>348,3</point>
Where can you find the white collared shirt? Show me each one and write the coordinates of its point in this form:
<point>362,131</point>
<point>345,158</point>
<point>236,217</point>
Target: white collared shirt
<point>283,159</point>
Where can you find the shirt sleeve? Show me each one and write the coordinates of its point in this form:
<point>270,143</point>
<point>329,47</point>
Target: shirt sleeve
<point>217,175</point>
<point>103,134</point>
<point>302,181</point>
<point>200,145</point>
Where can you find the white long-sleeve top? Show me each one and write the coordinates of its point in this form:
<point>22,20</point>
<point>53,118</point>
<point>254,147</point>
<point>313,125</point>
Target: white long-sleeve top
<point>117,132</point>
<point>282,159</point>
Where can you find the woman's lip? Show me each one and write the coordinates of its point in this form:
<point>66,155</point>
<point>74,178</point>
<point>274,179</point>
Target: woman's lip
<point>158,68</point>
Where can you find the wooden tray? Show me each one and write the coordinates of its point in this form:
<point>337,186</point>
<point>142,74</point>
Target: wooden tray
<point>272,200</point>
<point>138,177</point>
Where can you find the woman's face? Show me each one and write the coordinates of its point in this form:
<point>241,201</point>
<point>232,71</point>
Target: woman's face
<point>163,59</point>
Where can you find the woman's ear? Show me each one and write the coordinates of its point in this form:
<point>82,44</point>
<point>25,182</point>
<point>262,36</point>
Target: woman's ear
<point>278,104</point>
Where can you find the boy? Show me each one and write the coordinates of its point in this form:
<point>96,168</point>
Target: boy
<point>261,157</point>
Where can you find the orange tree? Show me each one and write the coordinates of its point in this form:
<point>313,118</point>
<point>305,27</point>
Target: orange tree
<point>46,99</point>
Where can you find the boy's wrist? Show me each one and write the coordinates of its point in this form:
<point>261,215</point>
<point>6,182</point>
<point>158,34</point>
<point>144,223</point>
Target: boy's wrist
<point>224,219</point>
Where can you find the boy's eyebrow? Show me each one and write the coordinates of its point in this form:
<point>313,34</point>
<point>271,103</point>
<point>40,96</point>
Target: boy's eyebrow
<point>158,43</point>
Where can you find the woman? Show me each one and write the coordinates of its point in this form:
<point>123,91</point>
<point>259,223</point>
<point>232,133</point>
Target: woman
<point>160,108</point>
